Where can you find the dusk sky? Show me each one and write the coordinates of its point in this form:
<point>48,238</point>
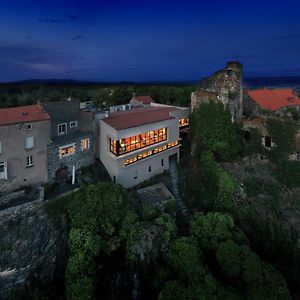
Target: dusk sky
<point>146,40</point>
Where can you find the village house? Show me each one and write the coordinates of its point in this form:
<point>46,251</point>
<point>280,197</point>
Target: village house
<point>51,141</point>
<point>137,144</point>
<point>24,136</point>
<point>262,104</point>
<point>272,102</point>
<point>72,145</point>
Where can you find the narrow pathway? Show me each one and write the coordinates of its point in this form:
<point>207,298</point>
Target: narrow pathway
<point>183,214</point>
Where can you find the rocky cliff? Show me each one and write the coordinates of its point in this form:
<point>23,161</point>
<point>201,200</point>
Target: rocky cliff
<point>33,248</point>
<point>224,86</point>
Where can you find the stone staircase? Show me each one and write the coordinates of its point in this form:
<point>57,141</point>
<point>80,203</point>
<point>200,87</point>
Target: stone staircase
<point>183,215</point>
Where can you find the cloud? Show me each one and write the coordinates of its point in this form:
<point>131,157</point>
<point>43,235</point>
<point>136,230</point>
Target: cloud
<point>45,20</point>
<point>74,18</point>
<point>77,37</point>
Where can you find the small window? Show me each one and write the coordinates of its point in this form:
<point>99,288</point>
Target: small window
<point>150,169</point>
<point>135,174</point>
<point>29,161</point>
<point>162,162</point>
<point>29,126</point>
<point>85,144</point>
<point>66,150</point>
<point>62,128</point>
<point>268,141</point>
<point>73,124</point>
<point>114,178</point>
<point>3,170</point>
<point>29,143</point>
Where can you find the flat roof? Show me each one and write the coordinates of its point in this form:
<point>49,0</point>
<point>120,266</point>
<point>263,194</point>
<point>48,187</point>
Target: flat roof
<point>138,117</point>
<point>23,114</point>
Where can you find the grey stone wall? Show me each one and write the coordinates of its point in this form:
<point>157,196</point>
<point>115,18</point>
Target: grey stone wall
<point>9,197</point>
<point>224,86</point>
<point>79,159</point>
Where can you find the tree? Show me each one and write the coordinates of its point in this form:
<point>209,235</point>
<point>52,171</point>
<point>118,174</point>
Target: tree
<point>186,260</point>
<point>212,129</point>
<point>96,213</point>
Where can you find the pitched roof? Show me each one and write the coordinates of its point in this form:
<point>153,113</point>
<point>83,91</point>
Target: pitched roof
<point>144,99</point>
<point>138,117</point>
<point>22,114</point>
<point>273,99</point>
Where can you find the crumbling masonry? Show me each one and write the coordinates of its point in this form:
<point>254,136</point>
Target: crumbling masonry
<point>224,86</point>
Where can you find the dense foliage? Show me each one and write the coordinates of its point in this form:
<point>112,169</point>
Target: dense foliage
<point>212,130</point>
<point>103,95</point>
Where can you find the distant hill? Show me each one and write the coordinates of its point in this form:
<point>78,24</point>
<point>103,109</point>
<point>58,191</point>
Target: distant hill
<point>249,82</point>
<point>256,82</point>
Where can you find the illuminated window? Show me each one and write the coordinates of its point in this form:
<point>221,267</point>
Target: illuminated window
<point>142,140</point>
<point>150,153</point>
<point>85,144</point>
<point>66,150</point>
<point>183,122</point>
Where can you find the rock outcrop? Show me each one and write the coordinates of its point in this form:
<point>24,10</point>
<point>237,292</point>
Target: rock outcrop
<point>32,248</point>
<point>224,86</point>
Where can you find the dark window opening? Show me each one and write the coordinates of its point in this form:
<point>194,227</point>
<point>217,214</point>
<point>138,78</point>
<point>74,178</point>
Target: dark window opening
<point>162,162</point>
<point>229,72</point>
<point>135,174</point>
<point>149,168</point>
<point>268,141</point>
<point>114,178</point>
<point>247,136</point>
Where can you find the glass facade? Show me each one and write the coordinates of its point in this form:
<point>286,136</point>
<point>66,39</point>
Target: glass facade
<point>149,153</point>
<point>125,145</point>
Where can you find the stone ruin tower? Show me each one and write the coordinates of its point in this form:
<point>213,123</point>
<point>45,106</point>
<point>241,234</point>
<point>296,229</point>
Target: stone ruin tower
<point>224,86</point>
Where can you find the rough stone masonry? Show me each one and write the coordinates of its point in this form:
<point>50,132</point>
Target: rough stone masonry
<point>224,86</point>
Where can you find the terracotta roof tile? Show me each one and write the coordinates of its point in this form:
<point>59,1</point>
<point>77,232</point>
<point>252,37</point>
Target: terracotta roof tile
<point>144,99</point>
<point>22,114</point>
<point>138,117</point>
<point>273,99</point>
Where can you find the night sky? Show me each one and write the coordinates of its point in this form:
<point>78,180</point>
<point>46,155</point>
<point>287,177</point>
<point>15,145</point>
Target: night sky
<point>146,40</point>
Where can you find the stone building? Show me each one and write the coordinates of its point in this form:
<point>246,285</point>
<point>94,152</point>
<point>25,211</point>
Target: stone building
<point>272,102</point>
<point>224,86</point>
<point>72,145</point>
<point>24,136</point>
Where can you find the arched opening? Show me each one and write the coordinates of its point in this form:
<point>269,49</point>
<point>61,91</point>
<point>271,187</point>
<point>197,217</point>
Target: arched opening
<point>61,174</point>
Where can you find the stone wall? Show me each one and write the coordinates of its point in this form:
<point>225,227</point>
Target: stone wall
<point>6,199</point>
<point>33,249</point>
<point>79,159</point>
<point>224,86</point>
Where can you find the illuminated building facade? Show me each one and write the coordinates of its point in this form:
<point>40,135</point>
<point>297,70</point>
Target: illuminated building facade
<point>135,145</point>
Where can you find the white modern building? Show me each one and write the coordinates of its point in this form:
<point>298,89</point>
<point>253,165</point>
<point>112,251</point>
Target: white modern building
<point>137,144</point>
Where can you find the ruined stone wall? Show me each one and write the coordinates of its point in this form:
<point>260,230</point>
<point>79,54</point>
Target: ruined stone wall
<point>224,86</point>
